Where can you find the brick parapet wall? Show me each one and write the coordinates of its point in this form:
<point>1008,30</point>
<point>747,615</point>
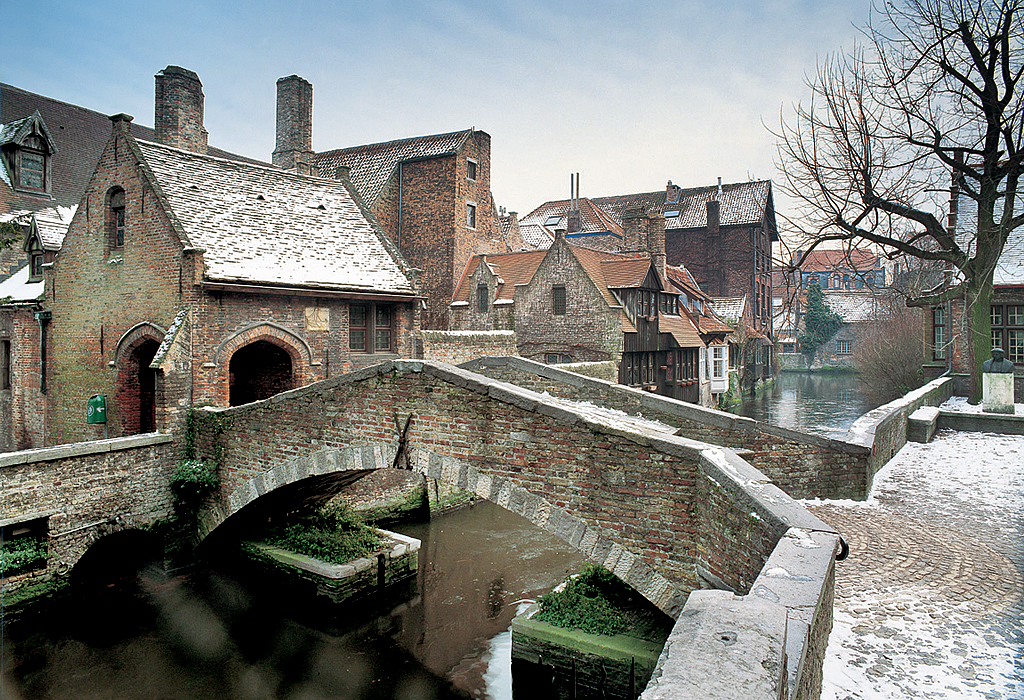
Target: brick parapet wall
<point>87,490</point>
<point>804,466</point>
<point>455,347</point>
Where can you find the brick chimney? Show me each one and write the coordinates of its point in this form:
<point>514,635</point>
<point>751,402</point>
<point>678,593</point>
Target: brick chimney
<point>294,123</point>
<point>672,193</point>
<point>635,230</point>
<point>179,110</point>
<point>656,240</point>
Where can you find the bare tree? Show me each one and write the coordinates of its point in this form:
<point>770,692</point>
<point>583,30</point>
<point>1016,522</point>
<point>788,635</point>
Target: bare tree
<point>888,354</point>
<point>932,100</point>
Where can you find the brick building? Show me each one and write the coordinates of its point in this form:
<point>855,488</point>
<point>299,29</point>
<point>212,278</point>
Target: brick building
<point>721,234</point>
<point>431,194</point>
<point>570,303</point>
<point>187,278</point>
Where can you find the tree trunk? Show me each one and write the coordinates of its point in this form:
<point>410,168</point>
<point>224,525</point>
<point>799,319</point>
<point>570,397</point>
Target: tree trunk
<point>978,326</point>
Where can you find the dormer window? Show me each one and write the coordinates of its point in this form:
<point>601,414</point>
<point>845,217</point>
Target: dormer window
<point>116,217</point>
<point>27,148</point>
<point>36,271</point>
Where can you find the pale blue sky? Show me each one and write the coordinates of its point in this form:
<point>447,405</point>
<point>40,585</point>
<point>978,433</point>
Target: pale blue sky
<point>629,94</point>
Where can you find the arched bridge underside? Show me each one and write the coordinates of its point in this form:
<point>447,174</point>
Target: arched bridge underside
<point>666,514</point>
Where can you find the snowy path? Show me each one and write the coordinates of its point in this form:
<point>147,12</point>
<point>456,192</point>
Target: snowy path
<point>930,603</point>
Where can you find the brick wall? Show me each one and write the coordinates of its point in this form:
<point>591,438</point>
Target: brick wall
<point>87,490</point>
<point>589,330</point>
<point>455,347</point>
<point>430,226</point>
<point>22,421</point>
<point>804,466</point>
<point>99,293</point>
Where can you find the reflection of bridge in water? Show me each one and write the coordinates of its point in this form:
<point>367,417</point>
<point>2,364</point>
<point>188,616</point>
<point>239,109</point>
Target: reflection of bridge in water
<point>668,514</point>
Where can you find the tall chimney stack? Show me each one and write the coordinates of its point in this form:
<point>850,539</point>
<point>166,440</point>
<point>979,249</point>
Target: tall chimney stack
<point>294,123</point>
<point>178,120</point>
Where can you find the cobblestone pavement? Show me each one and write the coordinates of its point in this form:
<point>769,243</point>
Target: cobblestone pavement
<point>930,602</point>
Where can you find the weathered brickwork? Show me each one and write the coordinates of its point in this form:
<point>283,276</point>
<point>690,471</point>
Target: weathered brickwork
<point>804,466</point>
<point>589,330</point>
<point>455,347</point>
<point>423,209</point>
<point>86,491</point>
<point>21,403</point>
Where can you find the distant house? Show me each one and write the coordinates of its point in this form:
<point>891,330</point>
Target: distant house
<point>836,269</point>
<point>721,234</point>
<point>858,310</point>
<point>569,303</point>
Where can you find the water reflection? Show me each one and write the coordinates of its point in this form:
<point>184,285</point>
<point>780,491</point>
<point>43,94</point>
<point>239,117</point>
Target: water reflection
<point>226,633</point>
<point>824,404</point>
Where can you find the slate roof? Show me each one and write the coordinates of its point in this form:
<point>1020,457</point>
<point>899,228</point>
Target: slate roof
<point>372,165</point>
<point>1009,270</point>
<point>536,236</point>
<point>730,309</point>
<point>742,203</point>
<point>264,225</point>
<point>79,134</point>
<point>851,307</point>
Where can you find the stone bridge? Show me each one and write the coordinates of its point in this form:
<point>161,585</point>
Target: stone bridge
<point>670,515</point>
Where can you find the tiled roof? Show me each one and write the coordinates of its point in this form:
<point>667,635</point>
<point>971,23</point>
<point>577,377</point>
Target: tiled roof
<point>264,225</point>
<point>742,203</point>
<point>371,165</point>
<point>623,274</point>
<point>729,309</point>
<point>836,259</point>
<point>594,263</point>
<point>510,268</point>
<point>682,329</point>
<point>79,134</point>
<point>593,219</point>
<point>535,236</point>
<point>682,278</point>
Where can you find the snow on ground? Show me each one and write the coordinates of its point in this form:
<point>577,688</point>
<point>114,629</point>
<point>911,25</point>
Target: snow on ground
<point>929,605</point>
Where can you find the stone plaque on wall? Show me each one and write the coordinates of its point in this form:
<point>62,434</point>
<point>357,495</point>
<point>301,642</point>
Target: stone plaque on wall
<point>318,318</point>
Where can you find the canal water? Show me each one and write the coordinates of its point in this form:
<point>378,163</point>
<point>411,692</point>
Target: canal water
<point>819,403</point>
<point>223,633</point>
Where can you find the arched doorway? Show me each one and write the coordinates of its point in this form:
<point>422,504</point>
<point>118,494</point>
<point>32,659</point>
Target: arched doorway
<point>143,356</point>
<point>258,371</point>
<point>136,388</point>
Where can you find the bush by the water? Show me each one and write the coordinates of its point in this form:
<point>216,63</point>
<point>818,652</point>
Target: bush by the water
<point>335,534</point>
<point>594,602</point>
<point>20,555</point>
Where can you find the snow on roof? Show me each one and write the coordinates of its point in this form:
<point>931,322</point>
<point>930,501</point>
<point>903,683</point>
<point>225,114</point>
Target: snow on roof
<point>729,309</point>
<point>852,308</point>
<point>19,289</point>
<point>264,225</point>
<point>1009,270</point>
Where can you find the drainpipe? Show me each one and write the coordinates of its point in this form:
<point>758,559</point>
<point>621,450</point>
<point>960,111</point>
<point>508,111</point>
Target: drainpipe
<point>400,166</point>
<point>42,317</point>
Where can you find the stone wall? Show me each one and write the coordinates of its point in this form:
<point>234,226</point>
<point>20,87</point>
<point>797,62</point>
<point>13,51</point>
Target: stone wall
<point>456,347</point>
<point>804,466</point>
<point>86,490</point>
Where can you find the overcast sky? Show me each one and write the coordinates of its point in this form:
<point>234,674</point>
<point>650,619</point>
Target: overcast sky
<point>629,94</point>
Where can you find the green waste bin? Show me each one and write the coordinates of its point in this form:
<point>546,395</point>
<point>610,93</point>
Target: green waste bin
<point>96,409</point>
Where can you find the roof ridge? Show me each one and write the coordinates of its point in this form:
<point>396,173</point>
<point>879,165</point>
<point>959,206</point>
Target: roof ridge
<point>396,141</point>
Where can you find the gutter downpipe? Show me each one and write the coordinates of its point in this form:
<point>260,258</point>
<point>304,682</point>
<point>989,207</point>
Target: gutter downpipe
<point>401,164</point>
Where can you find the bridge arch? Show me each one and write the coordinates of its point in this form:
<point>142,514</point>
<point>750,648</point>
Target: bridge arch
<point>357,460</point>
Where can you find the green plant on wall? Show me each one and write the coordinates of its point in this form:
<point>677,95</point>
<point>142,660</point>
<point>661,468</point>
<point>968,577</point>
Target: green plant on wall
<point>820,322</point>
<point>590,602</point>
<point>22,554</point>
<point>193,481</point>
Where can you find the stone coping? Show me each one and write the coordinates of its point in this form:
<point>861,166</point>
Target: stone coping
<point>645,399</point>
<point>862,432</point>
<point>620,647</point>
<point>1001,423</point>
<point>400,546</point>
<point>80,449</point>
